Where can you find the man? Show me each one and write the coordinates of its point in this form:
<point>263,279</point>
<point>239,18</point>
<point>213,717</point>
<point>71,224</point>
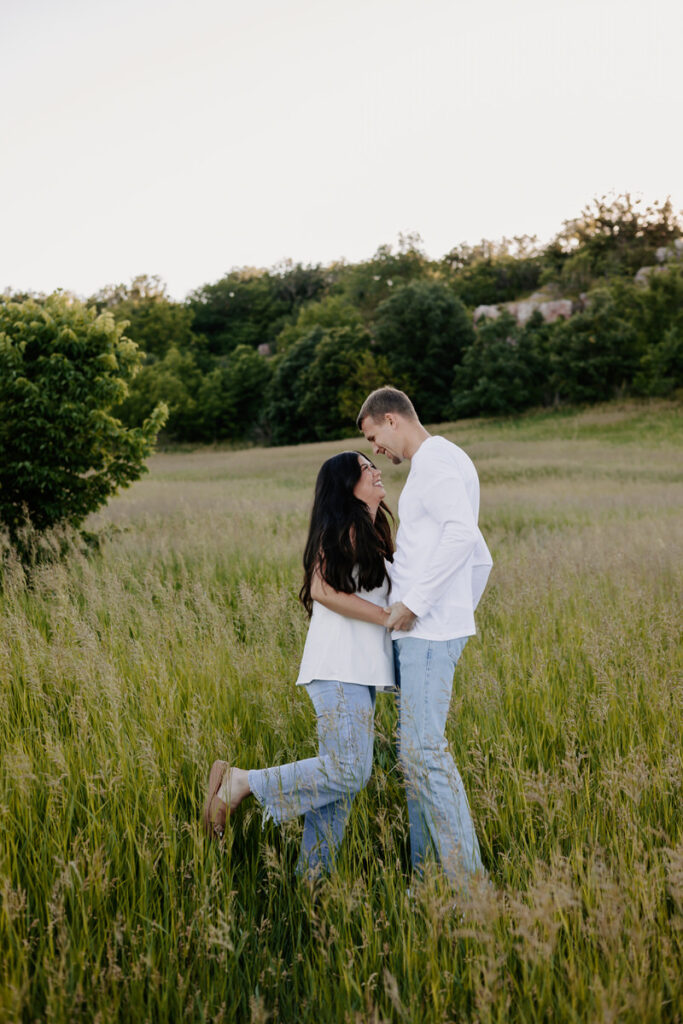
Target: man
<point>439,572</point>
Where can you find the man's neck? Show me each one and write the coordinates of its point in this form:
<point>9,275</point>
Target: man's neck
<point>414,439</point>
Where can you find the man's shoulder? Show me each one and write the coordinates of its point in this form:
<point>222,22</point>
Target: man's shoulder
<point>438,450</point>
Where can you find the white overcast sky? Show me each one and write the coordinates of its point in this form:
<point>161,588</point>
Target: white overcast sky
<point>187,138</point>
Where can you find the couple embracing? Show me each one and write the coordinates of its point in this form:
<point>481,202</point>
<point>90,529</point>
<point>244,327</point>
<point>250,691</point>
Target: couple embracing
<point>380,619</point>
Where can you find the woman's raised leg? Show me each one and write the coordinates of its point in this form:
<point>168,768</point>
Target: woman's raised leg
<point>323,786</point>
<point>324,826</point>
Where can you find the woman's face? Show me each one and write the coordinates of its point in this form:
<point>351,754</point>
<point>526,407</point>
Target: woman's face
<point>369,486</point>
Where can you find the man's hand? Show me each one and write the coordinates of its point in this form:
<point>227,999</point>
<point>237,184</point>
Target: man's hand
<point>400,617</point>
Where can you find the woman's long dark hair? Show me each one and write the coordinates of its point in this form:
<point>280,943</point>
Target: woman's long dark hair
<point>342,534</point>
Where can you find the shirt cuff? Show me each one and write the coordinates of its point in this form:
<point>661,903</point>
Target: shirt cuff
<point>417,606</point>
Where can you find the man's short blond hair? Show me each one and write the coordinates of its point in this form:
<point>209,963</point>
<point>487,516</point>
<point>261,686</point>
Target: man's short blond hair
<point>385,400</point>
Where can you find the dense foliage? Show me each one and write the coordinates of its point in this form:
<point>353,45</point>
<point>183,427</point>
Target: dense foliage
<point>287,354</point>
<point>63,367</point>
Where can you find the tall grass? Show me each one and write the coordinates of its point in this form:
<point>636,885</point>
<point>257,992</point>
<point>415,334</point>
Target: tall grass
<point>125,673</point>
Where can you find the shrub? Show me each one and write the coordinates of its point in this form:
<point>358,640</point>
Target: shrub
<point>62,369</point>
<point>505,369</point>
<point>422,330</point>
<point>595,354</point>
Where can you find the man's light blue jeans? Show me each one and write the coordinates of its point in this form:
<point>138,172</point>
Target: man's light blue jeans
<point>323,787</point>
<point>437,804</point>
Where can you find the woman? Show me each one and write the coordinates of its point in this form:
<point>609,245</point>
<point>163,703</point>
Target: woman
<point>347,657</point>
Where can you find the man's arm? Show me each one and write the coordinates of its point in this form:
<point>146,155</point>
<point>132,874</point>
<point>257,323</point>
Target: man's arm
<point>400,617</point>
<point>481,567</point>
<point>350,605</point>
<point>446,501</point>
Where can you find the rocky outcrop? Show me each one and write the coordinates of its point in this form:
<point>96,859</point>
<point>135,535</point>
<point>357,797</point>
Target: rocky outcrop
<point>490,312</point>
<point>667,253</point>
<point>550,309</point>
<point>665,256</point>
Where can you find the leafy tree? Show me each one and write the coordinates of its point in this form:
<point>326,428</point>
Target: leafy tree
<point>657,315</point>
<point>332,311</point>
<point>614,235</point>
<point>367,370</point>
<point>325,381</point>
<point>250,307</point>
<point>506,368</point>
<point>658,307</point>
<point>493,272</point>
<point>155,322</point>
<point>286,422</point>
<point>62,369</point>
<point>314,392</point>
<point>595,354</point>
<point>422,330</point>
<point>231,397</point>
<point>661,367</point>
<point>369,283</point>
<point>175,381</point>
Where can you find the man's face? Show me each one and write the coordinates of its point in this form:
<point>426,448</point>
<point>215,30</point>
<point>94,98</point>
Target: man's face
<point>384,436</point>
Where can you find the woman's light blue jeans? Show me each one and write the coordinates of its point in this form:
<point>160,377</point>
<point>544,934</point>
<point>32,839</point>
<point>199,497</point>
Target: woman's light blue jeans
<point>437,803</point>
<point>323,787</point>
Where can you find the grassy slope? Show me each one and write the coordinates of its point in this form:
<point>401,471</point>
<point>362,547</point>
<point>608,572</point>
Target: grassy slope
<point>123,676</point>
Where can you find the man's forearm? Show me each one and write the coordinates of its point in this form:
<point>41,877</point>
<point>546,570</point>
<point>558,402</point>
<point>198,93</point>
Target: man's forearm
<point>455,546</point>
<point>400,617</point>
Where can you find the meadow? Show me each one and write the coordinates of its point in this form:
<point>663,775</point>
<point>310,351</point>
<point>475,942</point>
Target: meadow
<point>125,672</point>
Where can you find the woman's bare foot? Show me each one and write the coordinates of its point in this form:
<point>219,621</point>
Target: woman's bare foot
<point>226,790</point>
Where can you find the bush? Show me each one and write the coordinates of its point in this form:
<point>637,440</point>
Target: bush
<point>505,369</point>
<point>287,424</point>
<point>174,380</point>
<point>230,398</point>
<point>62,369</point>
<point>661,367</point>
<point>422,330</point>
<point>595,354</point>
<point>319,383</point>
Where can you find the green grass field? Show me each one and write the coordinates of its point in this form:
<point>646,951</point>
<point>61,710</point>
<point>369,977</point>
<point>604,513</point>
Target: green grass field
<point>123,675</point>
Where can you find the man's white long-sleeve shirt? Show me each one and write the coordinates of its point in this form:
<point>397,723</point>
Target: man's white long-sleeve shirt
<point>442,562</point>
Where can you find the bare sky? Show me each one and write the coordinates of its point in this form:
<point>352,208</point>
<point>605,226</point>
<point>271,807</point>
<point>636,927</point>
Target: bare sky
<point>186,138</point>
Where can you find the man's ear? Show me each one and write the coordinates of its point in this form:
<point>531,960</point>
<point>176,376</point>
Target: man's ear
<point>391,419</point>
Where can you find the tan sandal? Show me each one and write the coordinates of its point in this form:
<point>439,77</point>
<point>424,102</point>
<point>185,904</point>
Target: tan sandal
<point>214,818</point>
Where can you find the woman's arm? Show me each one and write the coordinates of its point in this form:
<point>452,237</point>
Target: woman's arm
<point>350,605</point>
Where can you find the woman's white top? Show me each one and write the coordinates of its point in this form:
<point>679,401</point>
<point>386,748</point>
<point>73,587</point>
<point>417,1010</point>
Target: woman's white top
<point>347,649</point>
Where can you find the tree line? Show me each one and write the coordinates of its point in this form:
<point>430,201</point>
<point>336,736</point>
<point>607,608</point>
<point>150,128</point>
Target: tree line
<point>287,354</point>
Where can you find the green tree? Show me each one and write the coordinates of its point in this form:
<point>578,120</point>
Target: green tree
<point>595,354</point>
<point>332,311</point>
<point>423,330</point>
<point>661,367</point>
<point>614,235</point>
<point>286,421</point>
<point>369,283</point>
<point>314,394</point>
<point>493,272</point>
<point>155,322</point>
<point>657,315</point>
<point>250,306</point>
<point>62,369</point>
<point>174,380</point>
<point>231,398</point>
<point>325,381</point>
<point>505,370</point>
<point>367,370</point>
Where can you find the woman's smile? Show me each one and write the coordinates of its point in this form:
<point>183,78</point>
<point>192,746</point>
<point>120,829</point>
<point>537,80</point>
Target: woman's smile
<point>369,487</point>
